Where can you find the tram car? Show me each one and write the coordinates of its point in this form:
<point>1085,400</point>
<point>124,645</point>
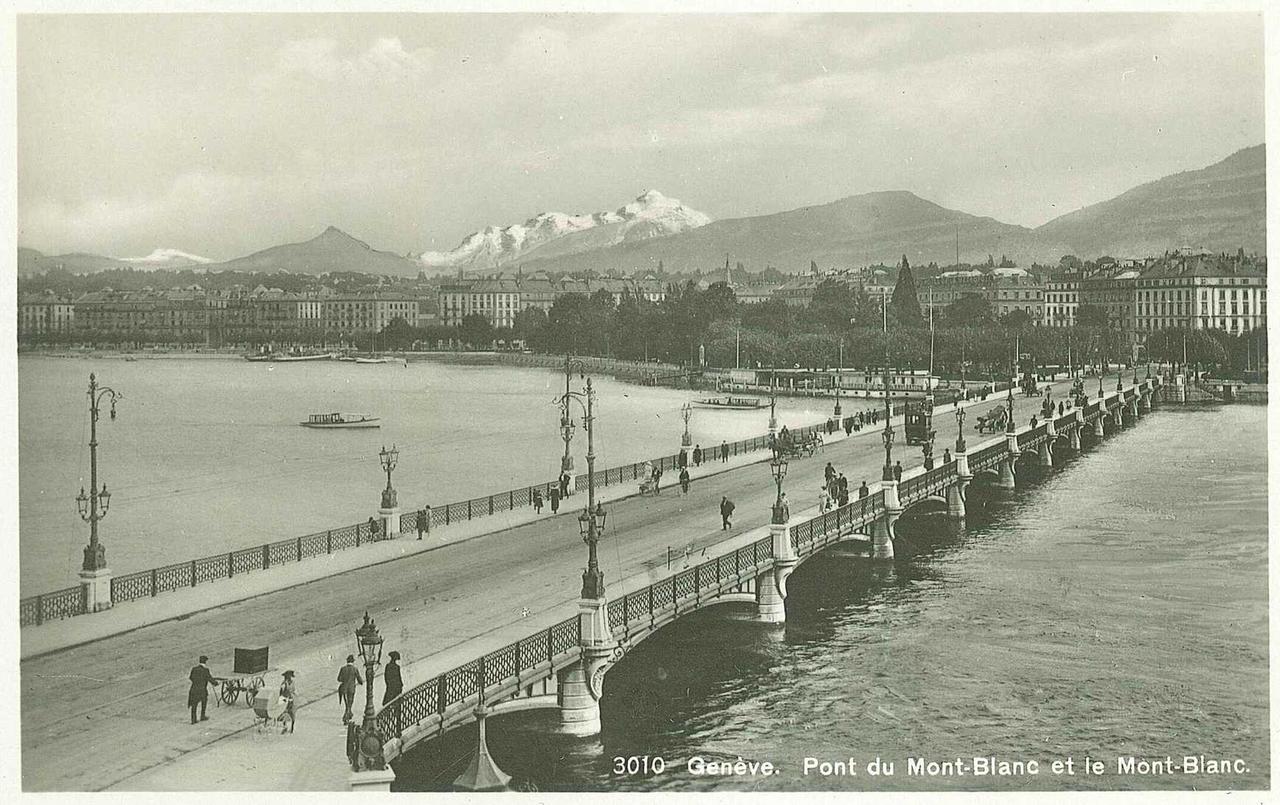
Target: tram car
<point>919,422</point>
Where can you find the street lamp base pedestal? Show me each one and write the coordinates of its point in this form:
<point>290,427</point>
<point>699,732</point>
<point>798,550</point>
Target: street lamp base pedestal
<point>96,585</point>
<point>390,522</point>
<point>379,780</point>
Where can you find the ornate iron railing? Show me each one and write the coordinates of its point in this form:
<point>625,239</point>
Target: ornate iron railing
<point>45,607</point>
<point>988,456</point>
<point>806,536</point>
<point>494,670</point>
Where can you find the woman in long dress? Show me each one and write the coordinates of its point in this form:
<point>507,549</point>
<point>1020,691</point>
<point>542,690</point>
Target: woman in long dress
<point>289,693</point>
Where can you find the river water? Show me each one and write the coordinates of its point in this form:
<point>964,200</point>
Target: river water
<point>206,455</point>
<point>1114,608</point>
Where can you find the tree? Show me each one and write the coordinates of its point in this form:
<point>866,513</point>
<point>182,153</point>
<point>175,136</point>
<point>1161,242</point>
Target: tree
<point>905,305</point>
<point>1091,316</point>
<point>476,331</point>
<point>968,311</point>
<point>1017,319</point>
<point>529,323</point>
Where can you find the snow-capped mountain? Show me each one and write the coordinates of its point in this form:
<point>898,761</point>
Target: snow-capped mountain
<point>166,258</point>
<point>554,234</point>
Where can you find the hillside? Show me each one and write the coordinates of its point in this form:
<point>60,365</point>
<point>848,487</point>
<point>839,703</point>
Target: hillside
<point>1220,208</point>
<point>331,250</point>
<point>853,231</point>
<point>31,262</point>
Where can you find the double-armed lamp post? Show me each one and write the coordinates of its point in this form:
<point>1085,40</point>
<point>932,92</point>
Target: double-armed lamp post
<point>93,506</point>
<point>592,519</point>
<point>388,458</point>
<point>366,751</point>
<point>779,469</point>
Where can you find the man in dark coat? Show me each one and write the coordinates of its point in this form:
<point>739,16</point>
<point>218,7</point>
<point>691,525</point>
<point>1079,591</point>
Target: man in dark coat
<point>555,499</point>
<point>697,455</point>
<point>863,491</point>
<point>198,696</point>
<point>348,678</point>
<point>684,480</point>
<point>897,470</point>
<point>422,522</point>
<point>726,511</point>
<point>391,675</point>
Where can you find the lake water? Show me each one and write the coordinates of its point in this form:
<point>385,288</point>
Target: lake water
<point>206,455</point>
<point>1116,607</point>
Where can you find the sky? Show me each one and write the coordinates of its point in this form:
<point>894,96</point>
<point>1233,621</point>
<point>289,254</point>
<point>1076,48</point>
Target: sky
<point>222,134</point>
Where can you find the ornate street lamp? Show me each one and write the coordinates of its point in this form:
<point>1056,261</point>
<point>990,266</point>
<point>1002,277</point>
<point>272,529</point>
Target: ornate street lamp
<point>566,421</point>
<point>1009,427</point>
<point>366,751</point>
<point>773,404</point>
<point>591,520</point>
<point>836,380</point>
<point>93,506</point>
<point>887,434</point>
<point>686,411</point>
<point>388,458</point>
<point>964,395</point>
<point>779,469</point>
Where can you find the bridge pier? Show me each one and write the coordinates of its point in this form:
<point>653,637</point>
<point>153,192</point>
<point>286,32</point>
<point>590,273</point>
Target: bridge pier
<point>956,493</point>
<point>1144,401</point>
<point>483,773</point>
<point>1046,454</point>
<point>1098,429</point>
<point>771,586</point>
<point>882,533</point>
<point>1073,438</point>
<point>580,686</point>
<point>1006,465</point>
<point>1118,416</point>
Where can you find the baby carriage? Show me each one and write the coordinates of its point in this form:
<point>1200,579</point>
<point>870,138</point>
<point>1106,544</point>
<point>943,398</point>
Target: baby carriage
<point>270,708</point>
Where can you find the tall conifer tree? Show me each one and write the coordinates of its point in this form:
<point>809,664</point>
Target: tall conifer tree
<point>905,305</point>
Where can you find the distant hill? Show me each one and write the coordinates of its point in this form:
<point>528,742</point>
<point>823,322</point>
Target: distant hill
<point>1220,208</point>
<point>31,261</point>
<point>854,231</point>
<point>331,250</point>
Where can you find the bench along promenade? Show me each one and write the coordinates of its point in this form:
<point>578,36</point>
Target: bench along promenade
<point>117,720</point>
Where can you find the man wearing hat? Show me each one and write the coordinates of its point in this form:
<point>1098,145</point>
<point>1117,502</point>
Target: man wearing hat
<point>391,675</point>
<point>348,678</point>
<point>201,679</point>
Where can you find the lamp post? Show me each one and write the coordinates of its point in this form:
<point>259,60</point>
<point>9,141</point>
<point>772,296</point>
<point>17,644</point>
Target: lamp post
<point>960,447</point>
<point>366,753</point>
<point>1009,427</point>
<point>566,421</point>
<point>93,507</point>
<point>388,458</point>
<point>887,434</point>
<point>686,411</point>
<point>840,364</point>
<point>773,403</point>
<point>779,469</point>
<point>592,519</point>
<point>1101,371</point>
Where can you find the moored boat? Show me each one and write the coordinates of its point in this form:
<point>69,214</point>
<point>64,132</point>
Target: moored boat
<point>382,359</point>
<point>314,356</point>
<point>733,403</point>
<point>337,420</point>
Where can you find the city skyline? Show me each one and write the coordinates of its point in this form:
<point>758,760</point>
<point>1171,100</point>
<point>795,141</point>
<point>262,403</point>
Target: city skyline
<point>573,113</point>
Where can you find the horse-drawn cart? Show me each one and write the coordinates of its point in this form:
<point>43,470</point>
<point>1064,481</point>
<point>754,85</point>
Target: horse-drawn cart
<point>992,420</point>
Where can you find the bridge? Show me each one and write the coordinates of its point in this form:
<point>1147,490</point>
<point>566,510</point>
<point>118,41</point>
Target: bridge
<point>563,666</point>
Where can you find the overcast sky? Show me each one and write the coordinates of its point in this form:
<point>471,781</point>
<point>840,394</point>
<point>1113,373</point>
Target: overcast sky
<point>224,134</point>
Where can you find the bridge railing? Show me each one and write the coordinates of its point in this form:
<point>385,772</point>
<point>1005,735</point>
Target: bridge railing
<point>641,605</point>
<point>927,483</point>
<point>987,456</point>
<point>493,671</point>
<point>809,535</point>
<point>1032,436</point>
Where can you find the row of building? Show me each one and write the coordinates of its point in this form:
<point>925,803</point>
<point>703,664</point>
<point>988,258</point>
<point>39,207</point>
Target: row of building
<point>1199,291</point>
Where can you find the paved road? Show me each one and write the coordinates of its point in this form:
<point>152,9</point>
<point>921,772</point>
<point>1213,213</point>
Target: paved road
<point>94,715</point>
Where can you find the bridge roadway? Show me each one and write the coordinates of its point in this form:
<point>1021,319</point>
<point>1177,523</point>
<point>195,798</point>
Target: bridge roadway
<point>98,716</point>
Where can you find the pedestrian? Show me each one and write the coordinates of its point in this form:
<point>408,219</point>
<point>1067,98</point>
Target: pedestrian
<point>843,487</point>
<point>657,480</point>
<point>684,481</point>
<point>848,425</point>
<point>373,529</point>
<point>828,472</point>
<point>564,484</point>
<point>555,499</point>
<point>897,470</point>
<point>683,460</point>
<point>726,512</point>
<point>537,501</point>
<point>289,697</point>
<point>824,500</point>
<point>421,522</point>
<point>1060,408</point>
<point>1033,421</point>
<point>392,679</point>
<point>348,678</point>
<point>784,507</point>
<point>647,470</point>
<point>724,452</point>
<point>697,455</point>
<point>201,678</point>
<point>946,455</point>
<point>863,491</point>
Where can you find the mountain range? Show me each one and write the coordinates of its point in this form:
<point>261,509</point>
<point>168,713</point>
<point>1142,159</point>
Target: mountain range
<point>1220,208</point>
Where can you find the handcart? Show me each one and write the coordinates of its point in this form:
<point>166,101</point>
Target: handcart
<point>250,665</point>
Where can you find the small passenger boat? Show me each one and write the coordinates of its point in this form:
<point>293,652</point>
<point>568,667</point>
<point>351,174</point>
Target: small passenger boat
<point>305,356</point>
<point>341,421</point>
<point>381,359</point>
<point>734,403</point>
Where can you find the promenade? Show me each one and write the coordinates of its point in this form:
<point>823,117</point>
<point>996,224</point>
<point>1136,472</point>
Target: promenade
<point>111,713</point>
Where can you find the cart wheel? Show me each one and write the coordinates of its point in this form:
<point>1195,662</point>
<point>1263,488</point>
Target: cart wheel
<point>229,692</point>
<point>251,691</point>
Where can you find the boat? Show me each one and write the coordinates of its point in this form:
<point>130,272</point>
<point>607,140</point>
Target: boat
<point>315,356</point>
<point>271,356</point>
<point>336,420</point>
<point>381,359</point>
<point>733,403</point>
